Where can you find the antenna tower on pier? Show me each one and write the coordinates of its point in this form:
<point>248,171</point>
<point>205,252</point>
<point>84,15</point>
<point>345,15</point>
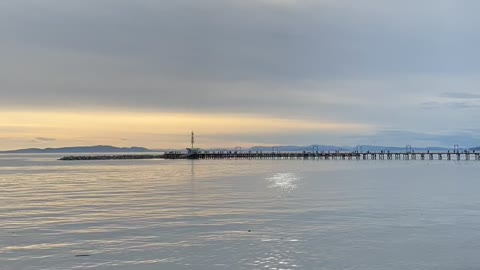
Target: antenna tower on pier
<point>193,138</point>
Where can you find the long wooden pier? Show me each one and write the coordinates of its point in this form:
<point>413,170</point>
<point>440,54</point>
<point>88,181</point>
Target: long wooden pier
<point>342,156</point>
<point>465,155</point>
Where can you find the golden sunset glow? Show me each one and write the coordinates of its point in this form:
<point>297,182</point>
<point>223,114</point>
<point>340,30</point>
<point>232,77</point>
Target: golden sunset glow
<point>149,129</point>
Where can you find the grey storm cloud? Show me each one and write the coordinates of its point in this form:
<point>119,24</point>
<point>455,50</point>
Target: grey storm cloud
<point>352,61</point>
<point>255,40</point>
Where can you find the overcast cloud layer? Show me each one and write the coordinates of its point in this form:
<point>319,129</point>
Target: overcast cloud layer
<point>408,68</point>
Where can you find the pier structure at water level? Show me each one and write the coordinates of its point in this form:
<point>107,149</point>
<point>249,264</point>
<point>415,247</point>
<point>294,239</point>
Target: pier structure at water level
<point>465,155</point>
<point>409,154</point>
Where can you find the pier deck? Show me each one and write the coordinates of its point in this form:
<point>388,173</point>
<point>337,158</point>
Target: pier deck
<point>344,156</point>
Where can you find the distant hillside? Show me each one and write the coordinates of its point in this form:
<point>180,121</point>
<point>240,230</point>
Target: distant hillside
<point>363,148</point>
<point>285,148</point>
<point>79,149</point>
<point>393,149</point>
<point>296,148</point>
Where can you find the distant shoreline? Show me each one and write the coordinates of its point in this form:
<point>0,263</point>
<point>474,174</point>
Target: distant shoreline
<point>311,148</point>
<point>80,149</point>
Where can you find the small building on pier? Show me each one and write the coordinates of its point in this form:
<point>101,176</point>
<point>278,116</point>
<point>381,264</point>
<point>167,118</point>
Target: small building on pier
<point>193,151</point>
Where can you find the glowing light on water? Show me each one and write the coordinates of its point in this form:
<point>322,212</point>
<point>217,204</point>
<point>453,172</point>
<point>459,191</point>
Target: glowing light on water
<point>284,181</point>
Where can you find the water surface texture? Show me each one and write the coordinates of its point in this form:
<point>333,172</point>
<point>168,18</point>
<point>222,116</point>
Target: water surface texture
<point>238,214</point>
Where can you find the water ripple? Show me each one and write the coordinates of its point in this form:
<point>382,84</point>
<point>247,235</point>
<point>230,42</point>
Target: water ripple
<point>222,215</point>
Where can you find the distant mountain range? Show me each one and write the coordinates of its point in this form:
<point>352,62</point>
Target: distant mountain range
<point>287,148</point>
<point>79,149</point>
<point>373,148</point>
<point>296,148</point>
<point>363,148</point>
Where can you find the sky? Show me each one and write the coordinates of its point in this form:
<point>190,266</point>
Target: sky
<point>239,73</point>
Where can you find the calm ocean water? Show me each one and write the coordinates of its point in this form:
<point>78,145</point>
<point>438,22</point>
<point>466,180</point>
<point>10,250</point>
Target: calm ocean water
<point>238,214</point>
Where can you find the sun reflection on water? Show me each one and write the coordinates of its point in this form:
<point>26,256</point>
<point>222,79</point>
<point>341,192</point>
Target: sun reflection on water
<point>284,181</point>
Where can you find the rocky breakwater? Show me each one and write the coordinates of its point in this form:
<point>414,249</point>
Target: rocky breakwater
<point>111,157</point>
